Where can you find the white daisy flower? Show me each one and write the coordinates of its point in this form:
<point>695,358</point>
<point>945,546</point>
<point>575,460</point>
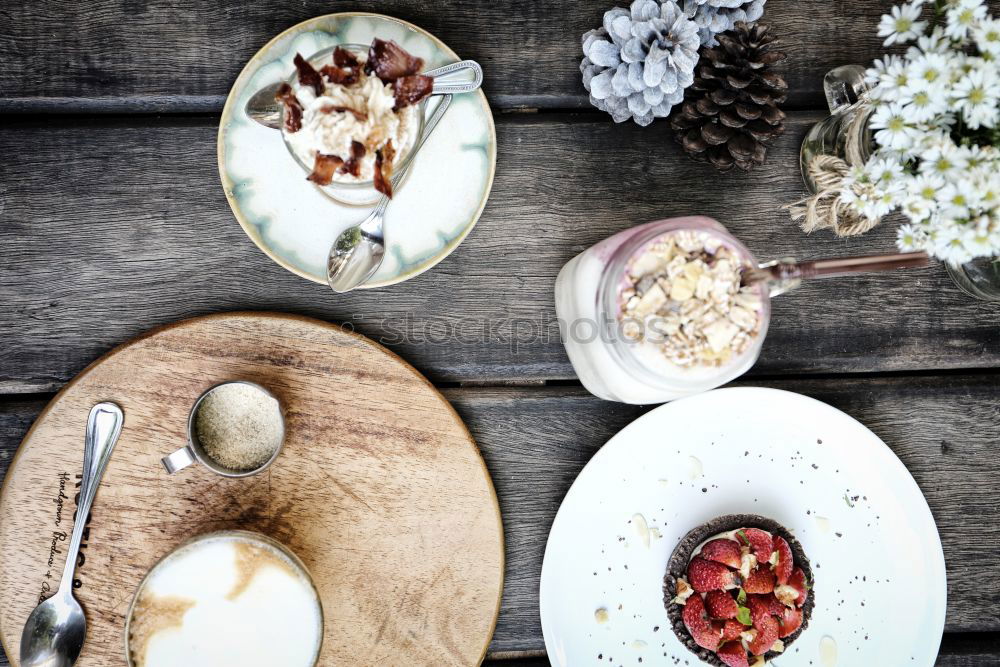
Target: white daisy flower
<point>893,130</point>
<point>942,158</point>
<point>949,245</point>
<point>933,68</point>
<point>955,200</point>
<point>978,241</point>
<point>933,42</point>
<point>962,16</point>
<point>925,186</point>
<point>902,25</point>
<point>908,238</point>
<point>920,103</point>
<point>978,95</point>
<point>916,209</point>
<point>987,36</point>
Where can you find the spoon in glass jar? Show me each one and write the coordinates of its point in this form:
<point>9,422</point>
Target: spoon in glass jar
<point>266,110</point>
<point>785,274</point>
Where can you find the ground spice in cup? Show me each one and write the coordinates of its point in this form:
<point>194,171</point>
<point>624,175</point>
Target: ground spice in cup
<point>239,426</point>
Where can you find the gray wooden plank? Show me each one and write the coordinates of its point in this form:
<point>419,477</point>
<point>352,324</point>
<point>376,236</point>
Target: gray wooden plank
<point>164,55</point>
<point>109,229</point>
<point>535,441</point>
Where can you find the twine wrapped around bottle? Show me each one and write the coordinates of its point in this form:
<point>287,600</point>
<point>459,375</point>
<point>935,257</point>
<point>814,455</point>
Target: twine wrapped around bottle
<point>825,209</point>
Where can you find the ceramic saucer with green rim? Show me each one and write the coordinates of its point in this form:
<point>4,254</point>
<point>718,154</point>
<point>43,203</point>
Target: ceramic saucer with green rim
<point>295,223</point>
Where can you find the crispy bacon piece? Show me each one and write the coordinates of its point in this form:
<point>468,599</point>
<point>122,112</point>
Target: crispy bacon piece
<point>353,164</point>
<point>411,89</point>
<point>324,168</point>
<point>293,110</point>
<point>389,61</point>
<point>345,69</point>
<point>308,76</point>
<point>344,58</point>
<point>383,168</point>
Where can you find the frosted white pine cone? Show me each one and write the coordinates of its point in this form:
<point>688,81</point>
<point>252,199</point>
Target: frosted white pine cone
<point>639,62</point>
<point>715,16</point>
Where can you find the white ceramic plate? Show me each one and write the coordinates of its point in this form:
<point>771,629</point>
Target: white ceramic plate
<point>295,223</point>
<point>879,569</point>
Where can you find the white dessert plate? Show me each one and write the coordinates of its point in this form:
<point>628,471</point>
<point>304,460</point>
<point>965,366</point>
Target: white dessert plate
<point>879,587</point>
<point>294,223</point>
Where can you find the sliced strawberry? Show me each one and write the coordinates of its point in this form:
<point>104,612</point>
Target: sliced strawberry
<point>698,625</point>
<point>732,630</point>
<point>761,542</point>
<point>722,551</point>
<point>721,605</point>
<point>763,605</point>
<point>706,575</point>
<point>798,582</point>
<point>767,634</point>
<point>783,568</point>
<point>789,622</point>
<point>733,654</point>
<point>761,580</point>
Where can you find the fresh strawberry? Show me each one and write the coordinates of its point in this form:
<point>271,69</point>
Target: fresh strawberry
<point>706,575</point>
<point>783,568</point>
<point>760,542</point>
<point>732,630</point>
<point>701,629</point>
<point>733,654</point>
<point>721,604</point>
<point>763,605</point>
<point>761,580</point>
<point>767,634</point>
<point>798,582</point>
<point>722,551</point>
<point>789,622</point>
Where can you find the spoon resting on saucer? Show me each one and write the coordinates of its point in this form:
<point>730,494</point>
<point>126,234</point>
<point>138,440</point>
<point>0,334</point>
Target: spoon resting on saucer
<point>358,251</point>
<point>54,632</point>
<point>266,110</point>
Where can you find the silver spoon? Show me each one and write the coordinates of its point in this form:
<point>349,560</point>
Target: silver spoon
<point>358,251</point>
<point>53,634</point>
<point>263,108</point>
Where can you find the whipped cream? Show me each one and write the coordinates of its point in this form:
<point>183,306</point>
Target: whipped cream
<point>332,132</point>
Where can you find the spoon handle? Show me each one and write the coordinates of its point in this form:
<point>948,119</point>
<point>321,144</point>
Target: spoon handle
<point>786,274</point>
<point>103,427</point>
<point>449,88</point>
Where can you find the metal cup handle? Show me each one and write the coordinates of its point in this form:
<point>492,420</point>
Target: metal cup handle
<point>180,459</point>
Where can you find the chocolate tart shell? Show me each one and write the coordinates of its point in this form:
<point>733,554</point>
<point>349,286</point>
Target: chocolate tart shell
<point>677,567</point>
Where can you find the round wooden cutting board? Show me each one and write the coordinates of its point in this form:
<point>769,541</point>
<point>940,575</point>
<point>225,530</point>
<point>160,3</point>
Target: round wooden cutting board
<point>380,490</point>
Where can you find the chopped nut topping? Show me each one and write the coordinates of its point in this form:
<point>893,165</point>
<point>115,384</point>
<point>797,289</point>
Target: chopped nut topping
<point>683,293</point>
<point>684,591</point>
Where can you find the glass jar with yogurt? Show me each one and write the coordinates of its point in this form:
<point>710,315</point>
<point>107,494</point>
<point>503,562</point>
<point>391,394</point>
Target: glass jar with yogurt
<point>658,311</point>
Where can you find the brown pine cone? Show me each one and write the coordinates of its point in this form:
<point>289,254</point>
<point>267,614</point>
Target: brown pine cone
<point>730,113</point>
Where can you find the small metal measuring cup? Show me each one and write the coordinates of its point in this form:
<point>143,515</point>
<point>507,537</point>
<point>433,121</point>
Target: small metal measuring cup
<point>193,451</point>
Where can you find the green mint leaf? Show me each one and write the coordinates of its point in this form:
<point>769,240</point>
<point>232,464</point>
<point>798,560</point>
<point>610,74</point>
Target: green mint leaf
<point>743,536</point>
<point>741,597</point>
<point>848,501</point>
<point>743,616</point>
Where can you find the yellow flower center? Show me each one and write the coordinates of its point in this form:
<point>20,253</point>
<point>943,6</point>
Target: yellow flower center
<point>977,96</point>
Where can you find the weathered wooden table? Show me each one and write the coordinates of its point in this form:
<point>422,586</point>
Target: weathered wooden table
<point>112,221</point>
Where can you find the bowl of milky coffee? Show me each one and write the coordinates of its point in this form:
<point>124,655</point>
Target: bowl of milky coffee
<point>231,597</point>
